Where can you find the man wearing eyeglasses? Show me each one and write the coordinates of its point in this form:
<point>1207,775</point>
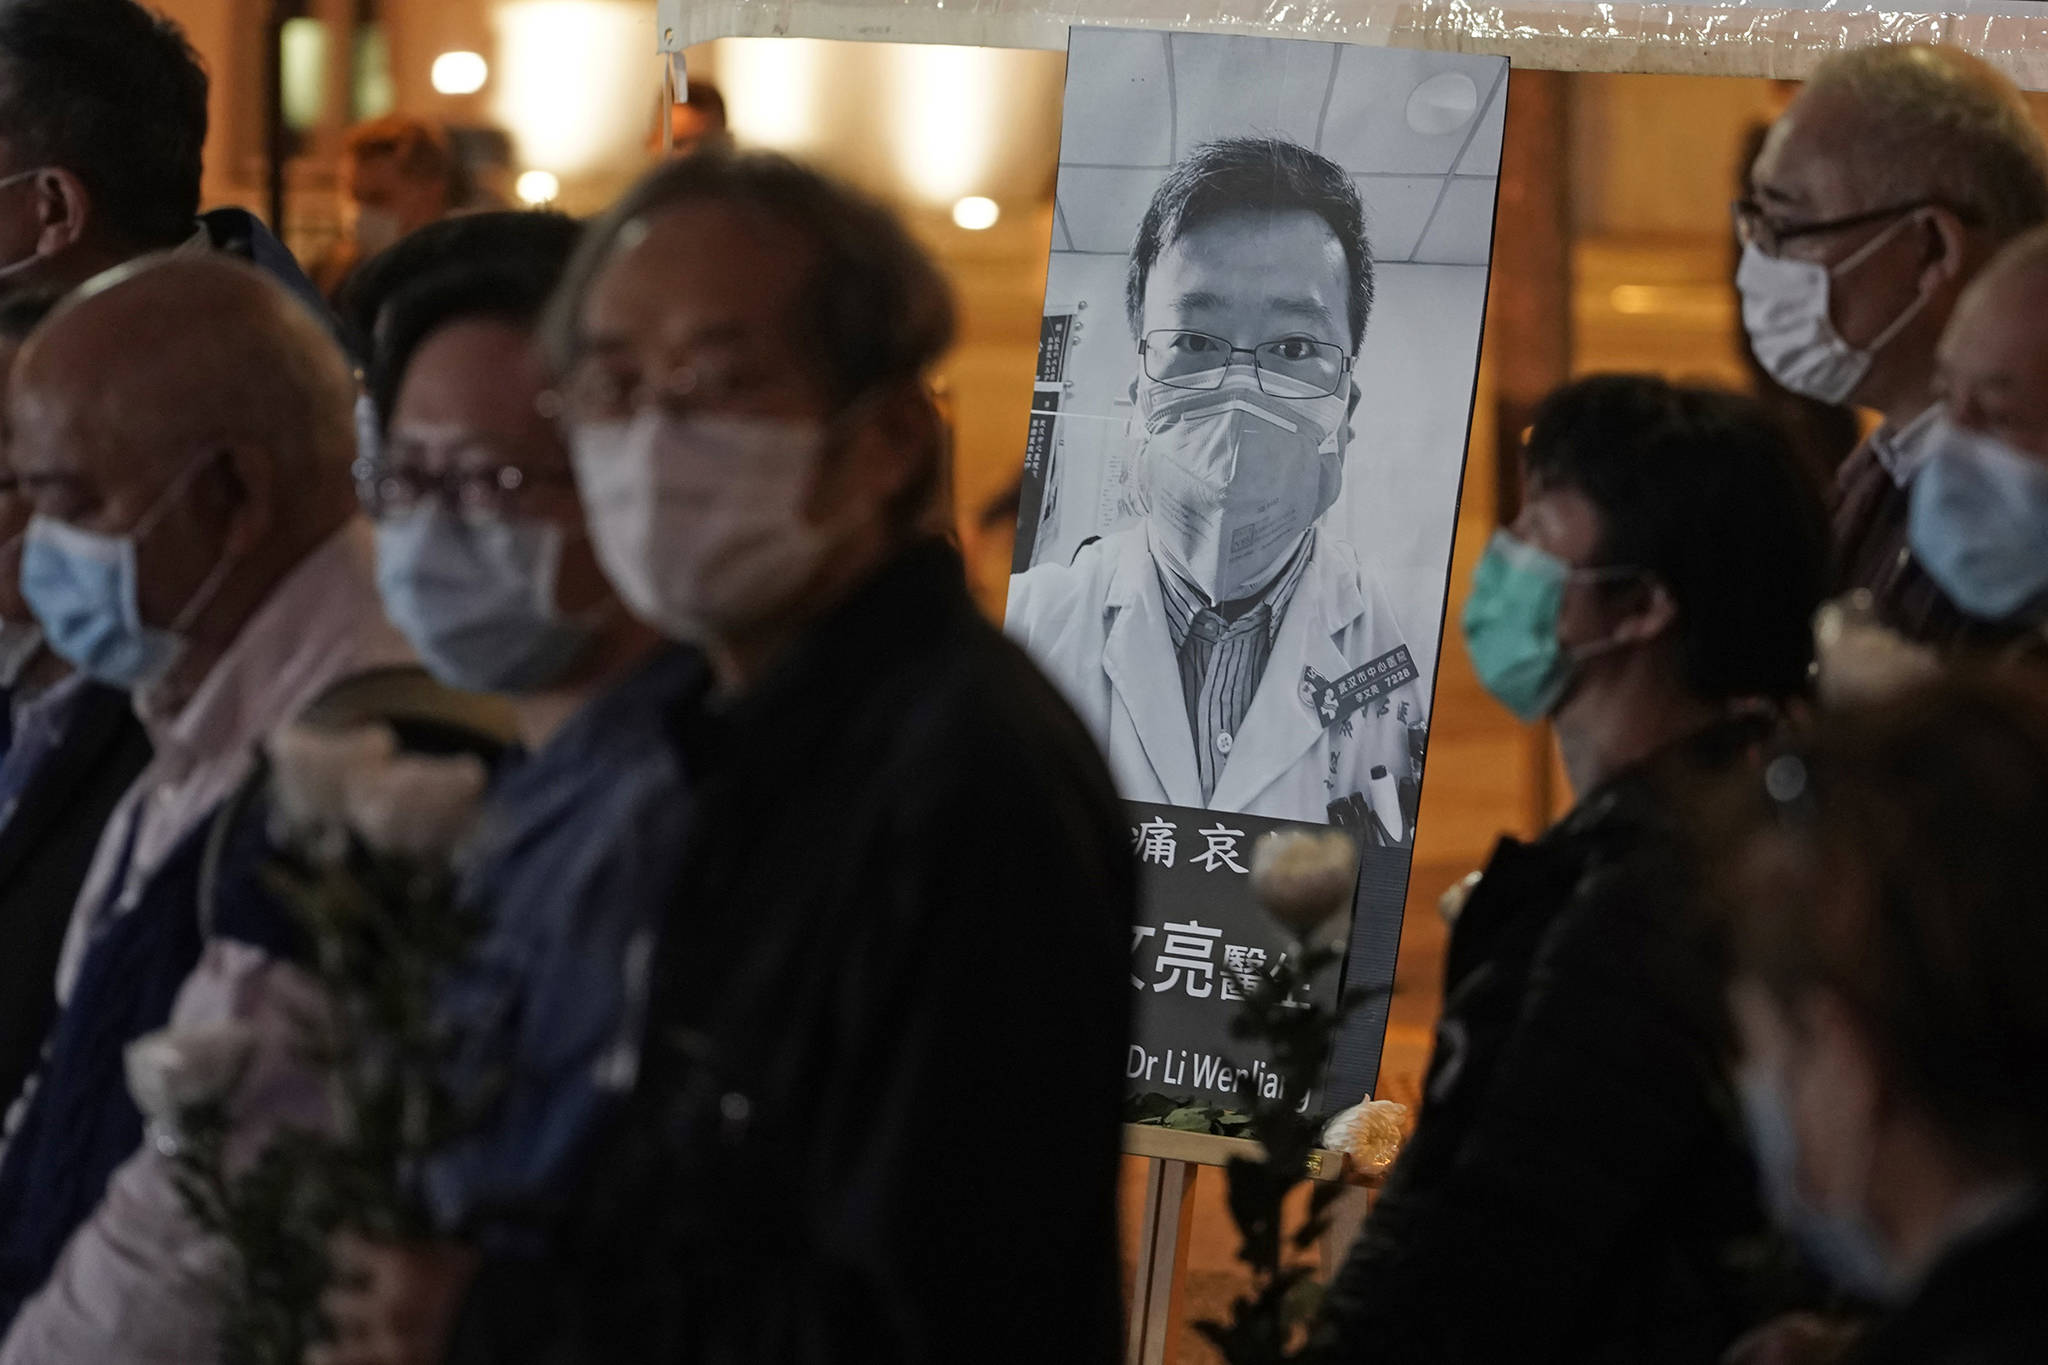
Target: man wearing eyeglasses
<point>1886,185</point>
<point>1228,650</point>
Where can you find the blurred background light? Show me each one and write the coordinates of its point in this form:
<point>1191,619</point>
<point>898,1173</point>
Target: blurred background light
<point>302,72</point>
<point>575,81</point>
<point>947,116</point>
<point>778,81</point>
<point>538,188</point>
<point>460,73</point>
<point>976,212</point>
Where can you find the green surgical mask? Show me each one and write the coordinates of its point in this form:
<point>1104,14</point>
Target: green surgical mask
<point>1510,626</point>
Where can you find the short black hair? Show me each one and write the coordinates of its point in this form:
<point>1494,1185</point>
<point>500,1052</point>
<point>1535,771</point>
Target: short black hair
<point>511,284</point>
<point>1261,175</point>
<point>1702,491</point>
<point>113,93</point>
<point>878,306</point>
<point>520,239</point>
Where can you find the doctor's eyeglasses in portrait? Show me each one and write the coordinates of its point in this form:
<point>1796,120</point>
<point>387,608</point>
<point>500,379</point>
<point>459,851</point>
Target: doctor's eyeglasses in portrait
<point>1289,367</point>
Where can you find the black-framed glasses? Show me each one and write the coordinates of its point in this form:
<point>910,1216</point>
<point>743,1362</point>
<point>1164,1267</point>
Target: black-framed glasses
<point>478,490</point>
<point>1291,367</point>
<point>1755,227</point>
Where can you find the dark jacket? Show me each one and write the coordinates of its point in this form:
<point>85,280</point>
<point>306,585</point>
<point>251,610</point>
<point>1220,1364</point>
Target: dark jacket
<point>1981,1304</point>
<point>45,850</point>
<point>1872,553</point>
<point>1576,1188</point>
<point>877,1116</point>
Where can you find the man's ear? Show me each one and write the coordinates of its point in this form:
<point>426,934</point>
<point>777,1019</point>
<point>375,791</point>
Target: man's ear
<point>246,487</point>
<point>63,208</point>
<point>1657,614</point>
<point>1950,248</point>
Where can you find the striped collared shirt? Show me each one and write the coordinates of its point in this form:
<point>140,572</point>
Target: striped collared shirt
<point>1222,654</point>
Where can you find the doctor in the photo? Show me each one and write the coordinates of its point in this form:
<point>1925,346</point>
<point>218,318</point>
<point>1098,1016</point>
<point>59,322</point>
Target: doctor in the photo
<point>1228,649</point>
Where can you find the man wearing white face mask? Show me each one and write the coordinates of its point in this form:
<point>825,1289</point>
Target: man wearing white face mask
<point>895,826</point>
<point>1229,650</point>
<point>1886,185</point>
<point>1886,992</point>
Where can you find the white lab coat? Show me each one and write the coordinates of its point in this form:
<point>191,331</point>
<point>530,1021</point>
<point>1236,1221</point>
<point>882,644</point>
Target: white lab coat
<point>1098,629</point>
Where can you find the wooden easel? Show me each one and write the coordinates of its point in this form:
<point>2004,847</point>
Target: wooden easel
<point>1173,1159</point>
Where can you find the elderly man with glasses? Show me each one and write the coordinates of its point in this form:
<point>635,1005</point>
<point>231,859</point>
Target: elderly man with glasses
<point>1227,650</point>
<point>1878,195</point>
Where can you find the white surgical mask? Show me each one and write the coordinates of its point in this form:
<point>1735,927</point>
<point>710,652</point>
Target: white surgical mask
<point>699,520</point>
<point>1232,478</point>
<point>1786,311</point>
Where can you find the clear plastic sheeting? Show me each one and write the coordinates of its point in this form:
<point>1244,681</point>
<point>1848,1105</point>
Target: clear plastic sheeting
<point>1729,39</point>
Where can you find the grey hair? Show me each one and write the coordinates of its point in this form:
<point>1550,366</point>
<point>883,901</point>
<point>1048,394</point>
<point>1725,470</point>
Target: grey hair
<point>1937,123</point>
<point>880,309</point>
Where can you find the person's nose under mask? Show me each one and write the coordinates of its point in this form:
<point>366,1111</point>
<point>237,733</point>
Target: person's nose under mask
<point>1232,478</point>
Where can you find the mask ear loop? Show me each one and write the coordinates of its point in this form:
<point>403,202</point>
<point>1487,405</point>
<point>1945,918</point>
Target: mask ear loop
<point>202,597</point>
<point>1864,253</point>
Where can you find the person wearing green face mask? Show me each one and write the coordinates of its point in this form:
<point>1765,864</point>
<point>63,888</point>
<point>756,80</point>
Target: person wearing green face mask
<point>1651,598</point>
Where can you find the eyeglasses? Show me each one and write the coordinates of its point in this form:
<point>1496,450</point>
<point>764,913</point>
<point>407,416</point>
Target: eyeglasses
<point>596,392</point>
<point>1755,227</point>
<point>1292,367</point>
<point>479,490</point>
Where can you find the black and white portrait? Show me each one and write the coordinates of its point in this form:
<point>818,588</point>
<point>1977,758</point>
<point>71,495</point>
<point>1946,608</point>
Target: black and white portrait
<point>1261,334</point>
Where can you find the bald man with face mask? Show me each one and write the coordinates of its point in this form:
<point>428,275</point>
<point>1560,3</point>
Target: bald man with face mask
<point>183,430</point>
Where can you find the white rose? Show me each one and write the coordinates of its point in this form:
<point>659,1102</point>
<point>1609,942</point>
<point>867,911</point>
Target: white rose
<point>310,770</point>
<point>1302,879</point>
<point>415,806</point>
<point>1370,1133</point>
<point>173,1071</point>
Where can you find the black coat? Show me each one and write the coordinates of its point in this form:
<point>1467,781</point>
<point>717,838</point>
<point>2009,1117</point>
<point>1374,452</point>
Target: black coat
<point>878,1111</point>
<point>1982,1304</point>
<point>45,851</point>
<point>1576,1188</point>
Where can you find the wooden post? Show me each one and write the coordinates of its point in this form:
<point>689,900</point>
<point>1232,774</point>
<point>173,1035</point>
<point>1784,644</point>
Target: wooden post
<point>1529,308</point>
<point>1162,1261</point>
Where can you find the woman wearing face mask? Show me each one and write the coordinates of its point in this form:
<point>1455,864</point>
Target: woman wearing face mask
<point>1576,1188</point>
<point>484,564</point>
<point>1887,994</point>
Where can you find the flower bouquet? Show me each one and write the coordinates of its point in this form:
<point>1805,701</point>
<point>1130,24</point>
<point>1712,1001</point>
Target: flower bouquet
<point>1306,882</point>
<point>365,847</point>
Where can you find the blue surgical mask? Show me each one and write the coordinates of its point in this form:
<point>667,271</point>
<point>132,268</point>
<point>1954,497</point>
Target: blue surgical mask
<point>1978,523</point>
<point>82,587</point>
<point>1841,1245</point>
<point>476,597</point>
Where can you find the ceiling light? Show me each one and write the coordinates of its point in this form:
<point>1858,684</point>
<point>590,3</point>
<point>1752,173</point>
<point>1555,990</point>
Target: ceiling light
<point>538,188</point>
<point>975,213</point>
<point>460,73</point>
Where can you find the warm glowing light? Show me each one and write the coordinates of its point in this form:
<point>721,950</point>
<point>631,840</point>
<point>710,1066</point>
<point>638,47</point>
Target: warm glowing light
<point>771,85</point>
<point>539,187</point>
<point>975,213</point>
<point>302,62</point>
<point>573,80</point>
<point>460,73</point>
<point>948,116</point>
